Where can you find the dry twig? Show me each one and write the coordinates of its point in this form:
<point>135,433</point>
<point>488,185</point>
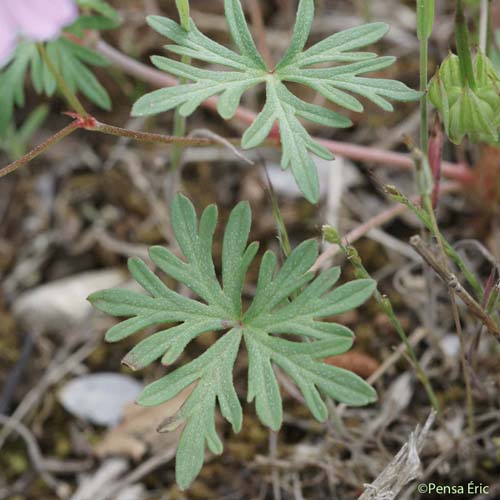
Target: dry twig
<point>452,282</point>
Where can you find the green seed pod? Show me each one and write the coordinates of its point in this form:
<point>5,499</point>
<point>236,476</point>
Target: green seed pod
<point>466,111</point>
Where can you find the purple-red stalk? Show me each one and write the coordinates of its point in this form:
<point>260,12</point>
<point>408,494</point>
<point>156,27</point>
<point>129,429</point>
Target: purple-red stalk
<point>435,154</point>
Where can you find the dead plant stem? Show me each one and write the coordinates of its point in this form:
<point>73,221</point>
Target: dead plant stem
<point>451,281</point>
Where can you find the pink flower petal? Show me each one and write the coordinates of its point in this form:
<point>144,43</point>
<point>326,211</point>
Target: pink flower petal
<point>8,36</point>
<point>41,20</point>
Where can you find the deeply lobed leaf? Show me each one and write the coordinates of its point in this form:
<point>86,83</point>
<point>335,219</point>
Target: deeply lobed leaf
<point>69,58</point>
<point>288,300</point>
<point>247,69</point>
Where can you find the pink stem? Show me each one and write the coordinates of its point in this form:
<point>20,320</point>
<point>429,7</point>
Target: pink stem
<point>458,172</point>
<point>159,78</point>
<point>51,141</point>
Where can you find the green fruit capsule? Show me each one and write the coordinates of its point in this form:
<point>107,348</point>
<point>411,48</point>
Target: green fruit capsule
<point>465,111</point>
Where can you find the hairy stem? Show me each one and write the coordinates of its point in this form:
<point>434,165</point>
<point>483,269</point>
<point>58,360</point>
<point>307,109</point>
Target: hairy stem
<point>51,141</point>
<point>92,125</point>
<point>147,136</point>
<point>386,306</point>
<point>424,217</point>
<point>426,201</point>
<point>183,10</point>
<point>456,317</point>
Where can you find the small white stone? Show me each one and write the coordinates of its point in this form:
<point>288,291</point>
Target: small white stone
<point>284,183</point>
<point>99,398</point>
<point>450,344</point>
<point>63,303</point>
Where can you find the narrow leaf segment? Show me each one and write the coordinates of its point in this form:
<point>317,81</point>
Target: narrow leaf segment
<point>289,300</point>
<point>246,68</point>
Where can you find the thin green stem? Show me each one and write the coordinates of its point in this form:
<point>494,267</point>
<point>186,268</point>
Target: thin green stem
<point>425,23</point>
<point>179,129</point>
<point>423,171</point>
<point>278,217</point>
<point>424,217</point>
<point>463,47</point>
<point>456,317</point>
<point>62,85</point>
<point>183,10</point>
<point>385,304</point>
<point>469,397</point>
<point>424,120</point>
<point>475,308</point>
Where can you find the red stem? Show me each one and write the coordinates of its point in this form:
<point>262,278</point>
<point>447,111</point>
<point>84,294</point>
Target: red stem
<point>458,172</point>
<point>69,129</point>
<point>92,125</point>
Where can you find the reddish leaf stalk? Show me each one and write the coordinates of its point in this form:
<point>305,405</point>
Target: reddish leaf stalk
<point>51,141</point>
<point>89,123</point>
<point>366,154</point>
<point>490,285</point>
<point>435,158</point>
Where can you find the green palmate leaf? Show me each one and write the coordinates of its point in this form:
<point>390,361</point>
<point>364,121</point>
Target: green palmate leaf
<point>288,301</point>
<point>12,84</point>
<point>246,68</point>
<point>69,58</point>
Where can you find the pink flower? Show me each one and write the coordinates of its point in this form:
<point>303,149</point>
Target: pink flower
<point>36,20</point>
